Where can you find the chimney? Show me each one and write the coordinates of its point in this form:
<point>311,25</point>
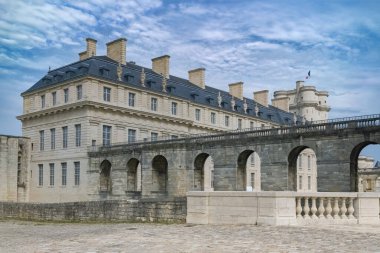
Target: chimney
<point>160,65</point>
<point>281,103</point>
<point>117,49</point>
<point>299,84</point>
<point>90,49</point>
<point>197,77</point>
<point>236,90</point>
<point>261,97</point>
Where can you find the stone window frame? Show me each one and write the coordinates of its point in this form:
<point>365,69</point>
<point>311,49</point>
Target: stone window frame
<point>64,174</point>
<point>54,98</point>
<point>153,104</point>
<point>300,182</point>
<point>131,99</point>
<point>66,95</point>
<point>76,173</point>
<point>240,124</point>
<point>174,108</point>
<point>78,135</point>
<point>52,138</point>
<point>42,140</point>
<point>40,175</point>
<point>107,94</point>
<point>132,135</point>
<point>79,92</point>
<point>52,172</point>
<point>153,136</point>
<point>43,101</point>
<point>107,135</point>
<point>197,114</point>
<point>227,120</point>
<point>65,135</point>
<point>213,118</point>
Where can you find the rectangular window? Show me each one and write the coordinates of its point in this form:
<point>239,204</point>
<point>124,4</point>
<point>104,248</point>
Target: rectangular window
<point>131,99</point>
<point>106,135</point>
<point>174,137</point>
<point>300,161</point>
<point>153,136</point>
<point>40,174</point>
<point>212,179</point>
<point>309,162</point>
<point>76,173</point>
<point>79,92</point>
<point>226,121</point>
<point>300,182</point>
<point>240,123</point>
<point>251,125</point>
<point>153,104</point>
<point>131,135</point>
<point>309,182</point>
<point>253,180</point>
<point>64,137</point>
<point>54,97</point>
<point>51,165</point>
<point>66,95</point>
<point>43,101</point>
<point>42,140</point>
<point>52,138</point>
<point>253,159</point>
<point>78,130</point>
<point>107,94</point>
<point>213,118</point>
<point>64,173</point>
<point>174,108</point>
<point>197,114</point>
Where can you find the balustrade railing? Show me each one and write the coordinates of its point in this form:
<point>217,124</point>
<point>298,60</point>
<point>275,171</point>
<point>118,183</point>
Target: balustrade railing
<point>325,208</point>
<point>308,127</point>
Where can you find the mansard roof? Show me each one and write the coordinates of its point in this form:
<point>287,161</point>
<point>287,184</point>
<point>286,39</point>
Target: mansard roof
<point>96,66</point>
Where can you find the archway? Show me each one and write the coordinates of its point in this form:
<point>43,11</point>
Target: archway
<point>203,173</point>
<point>241,172</point>
<point>133,175</point>
<point>357,161</point>
<point>302,170</point>
<point>105,176</point>
<point>160,173</point>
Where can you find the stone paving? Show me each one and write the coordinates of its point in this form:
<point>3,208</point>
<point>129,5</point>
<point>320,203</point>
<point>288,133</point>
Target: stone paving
<point>20,236</point>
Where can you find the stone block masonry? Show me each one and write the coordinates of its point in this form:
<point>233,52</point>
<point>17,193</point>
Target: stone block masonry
<point>147,210</point>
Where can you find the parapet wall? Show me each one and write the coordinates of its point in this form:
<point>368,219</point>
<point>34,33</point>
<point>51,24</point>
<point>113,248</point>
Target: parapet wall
<point>150,210</point>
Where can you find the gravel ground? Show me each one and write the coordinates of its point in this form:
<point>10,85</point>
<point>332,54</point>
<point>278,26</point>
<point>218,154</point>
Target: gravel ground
<point>21,236</point>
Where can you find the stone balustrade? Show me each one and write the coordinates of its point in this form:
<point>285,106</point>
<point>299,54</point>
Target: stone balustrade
<point>329,208</point>
<point>283,208</point>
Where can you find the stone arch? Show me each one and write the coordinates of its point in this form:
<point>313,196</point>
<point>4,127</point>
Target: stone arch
<point>133,175</point>
<point>203,172</point>
<point>354,180</point>
<point>302,169</point>
<point>160,173</point>
<point>248,171</point>
<point>105,182</point>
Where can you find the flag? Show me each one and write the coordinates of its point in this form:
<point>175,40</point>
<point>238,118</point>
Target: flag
<point>308,75</point>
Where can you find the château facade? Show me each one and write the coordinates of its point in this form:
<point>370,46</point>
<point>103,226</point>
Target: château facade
<point>105,100</point>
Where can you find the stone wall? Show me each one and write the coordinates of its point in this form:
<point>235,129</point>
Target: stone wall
<point>150,210</point>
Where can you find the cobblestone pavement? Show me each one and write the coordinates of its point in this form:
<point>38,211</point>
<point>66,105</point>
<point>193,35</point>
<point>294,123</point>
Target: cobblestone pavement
<point>20,236</point>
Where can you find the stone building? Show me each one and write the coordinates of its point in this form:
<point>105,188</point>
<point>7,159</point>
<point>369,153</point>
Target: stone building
<point>369,174</point>
<point>14,168</point>
<point>105,100</point>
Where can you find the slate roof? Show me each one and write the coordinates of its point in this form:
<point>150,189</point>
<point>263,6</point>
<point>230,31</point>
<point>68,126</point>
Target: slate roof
<point>177,87</point>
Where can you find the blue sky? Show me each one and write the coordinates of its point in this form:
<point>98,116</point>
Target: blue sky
<point>265,44</point>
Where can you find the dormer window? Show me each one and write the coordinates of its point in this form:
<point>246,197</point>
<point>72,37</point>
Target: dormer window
<point>47,79</point>
<point>224,103</point>
<point>58,76</point>
<point>270,116</point>
<point>150,83</point>
<point>260,113</point>
<point>83,68</point>
<point>129,77</point>
<point>170,88</point>
<point>236,107</point>
<point>104,71</point>
<point>70,74</point>
<point>194,94</point>
<point>209,99</point>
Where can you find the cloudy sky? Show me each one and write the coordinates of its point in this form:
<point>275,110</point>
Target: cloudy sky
<point>265,44</point>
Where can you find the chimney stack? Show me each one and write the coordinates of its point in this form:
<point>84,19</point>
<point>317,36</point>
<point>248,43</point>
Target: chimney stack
<point>90,49</point>
<point>160,65</point>
<point>261,97</point>
<point>117,50</point>
<point>281,103</point>
<point>197,77</point>
<point>236,90</point>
